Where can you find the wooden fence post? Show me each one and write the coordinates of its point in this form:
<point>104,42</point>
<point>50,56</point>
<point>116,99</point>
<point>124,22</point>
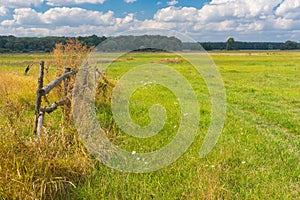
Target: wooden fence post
<point>66,83</point>
<point>38,101</point>
<point>40,123</point>
<point>66,97</point>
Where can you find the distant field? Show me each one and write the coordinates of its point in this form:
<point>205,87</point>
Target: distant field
<point>256,157</point>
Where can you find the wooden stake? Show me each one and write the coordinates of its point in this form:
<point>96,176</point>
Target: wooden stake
<point>38,101</point>
<point>40,123</point>
<point>66,82</point>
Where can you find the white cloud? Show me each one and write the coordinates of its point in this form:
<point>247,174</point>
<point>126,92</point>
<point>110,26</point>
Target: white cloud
<point>174,14</point>
<point>72,2</point>
<point>152,24</point>
<point>20,3</point>
<point>289,9</point>
<point>172,3</point>
<point>129,1</point>
<point>239,16</point>
<point>27,16</point>
<point>219,10</point>
<point>36,3</point>
<point>65,21</point>
<point>283,23</point>
<point>60,17</point>
<point>245,20</point>
<point>3,11</point>
<point>77,16</point>
<point>127,19</point>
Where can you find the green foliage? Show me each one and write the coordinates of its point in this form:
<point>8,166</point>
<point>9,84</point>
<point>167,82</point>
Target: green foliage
<point>230,44</point>
<point>239,45</point>
<point>43,44</point>
<point>132,43</point>
<point>290,45</point>
<point>123,43</point>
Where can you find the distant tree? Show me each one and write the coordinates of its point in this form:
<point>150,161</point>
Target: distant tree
<point>207,46</point>
<point>289,45</point>
<point>270,47</point>
<point>230,44</point>
<point>110,45</point>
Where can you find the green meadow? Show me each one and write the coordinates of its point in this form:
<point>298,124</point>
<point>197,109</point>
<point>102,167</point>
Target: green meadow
<point>257,156</point>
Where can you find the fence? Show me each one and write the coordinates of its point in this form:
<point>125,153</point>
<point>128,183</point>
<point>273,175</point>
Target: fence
<point>44,90</point>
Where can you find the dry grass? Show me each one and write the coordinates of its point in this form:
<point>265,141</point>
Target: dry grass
<point>48,167</point>
<point>52,165</point>
<point>71,55</point>
<point>168,60</point>
<point>43,168</point>
<point>37,168</point>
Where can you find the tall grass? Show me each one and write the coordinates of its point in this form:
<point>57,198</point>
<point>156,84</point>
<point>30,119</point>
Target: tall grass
<point>47,167</point>
<point>43,168</point>
<point>69,55</point>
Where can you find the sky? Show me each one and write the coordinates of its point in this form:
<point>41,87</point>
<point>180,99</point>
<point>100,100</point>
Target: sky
<point>202,20</point>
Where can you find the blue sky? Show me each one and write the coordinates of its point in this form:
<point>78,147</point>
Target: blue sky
<point>203,20</point>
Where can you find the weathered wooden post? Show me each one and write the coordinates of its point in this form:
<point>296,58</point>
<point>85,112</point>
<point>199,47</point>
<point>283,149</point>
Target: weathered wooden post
<point>67,103</point>
<point>40,123</point>
<point>38,120</point>
<point>66,82</point>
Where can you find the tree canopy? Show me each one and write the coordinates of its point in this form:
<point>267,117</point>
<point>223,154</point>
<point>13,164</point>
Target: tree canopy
<point>12,44</point>
<point>290,45</point>
<point>230,44</point>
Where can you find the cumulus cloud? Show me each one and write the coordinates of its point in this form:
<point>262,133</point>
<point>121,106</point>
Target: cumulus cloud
<point>175,14</point>
<point>60,16</point>
<point>129,1</point>
<point>36,3</point>
<point>238,16</point>
<point>246,20</point>
<point>65,21</point>
<point>20,4</point>
<point>77,16</point>
<point>219,10</point>
<point>72,2</point>
<point>289,9</point>
<point>172,3</point>
<point>3,11</point>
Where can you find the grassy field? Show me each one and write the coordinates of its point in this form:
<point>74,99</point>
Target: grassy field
<point>256,157</point>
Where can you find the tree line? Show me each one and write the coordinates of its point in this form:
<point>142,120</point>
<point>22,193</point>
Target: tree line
<point>12,44</point>
<point>231,44</point>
